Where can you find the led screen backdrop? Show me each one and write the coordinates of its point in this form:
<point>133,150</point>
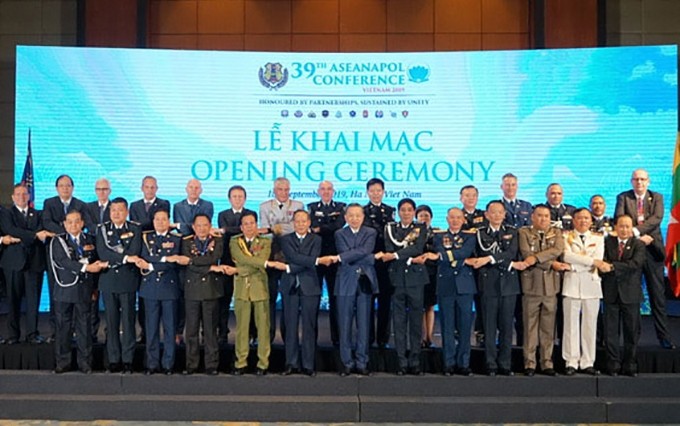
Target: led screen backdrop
<point>426,123</point>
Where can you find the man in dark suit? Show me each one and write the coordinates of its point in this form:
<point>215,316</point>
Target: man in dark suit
<point>23,264</point>
<point>624,257</point>
<point>183,213</point>
<point>300,293</point>
<point>202,290</point>
<point>142,212</point>
<point>355,286</point>
<point>98,212</point>
<point>405,241</point>
<point>561,215</point>
<point>646,208</point>
<point>229,223</point>
<point>377,215</point>
<point>497,252</point>
<point>328,216</point>
<point>119,242</point>
<point>159,264</point>
<point>53,215</point>
<point>72,259</point>
<point>455,290</point>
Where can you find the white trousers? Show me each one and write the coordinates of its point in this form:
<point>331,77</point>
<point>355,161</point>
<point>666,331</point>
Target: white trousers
<point>580,329</point>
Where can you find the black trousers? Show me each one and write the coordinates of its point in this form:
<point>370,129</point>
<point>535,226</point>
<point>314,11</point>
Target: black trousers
<point>204,312</point>
<point>623,317</point>
<point>407,309</point>
<point>652,270</point>
<point>20,284</point>
<point>70,316</point>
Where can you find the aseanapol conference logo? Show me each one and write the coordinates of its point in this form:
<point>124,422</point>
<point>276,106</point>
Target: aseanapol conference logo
<point>273,76</point>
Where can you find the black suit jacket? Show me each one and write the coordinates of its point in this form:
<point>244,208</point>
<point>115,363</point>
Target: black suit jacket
<point>626,203</point>
<point>498,279</point>
<point>139,214</point>
<point>119,277</point>
<point>301,258</point>
<point>30,253</point>
<point>199,282</point>
<point>401,273</point>
<point>53,213</point>
<point>328,218</point>
<point>625,280</point>
<point>94,217</point>
<point>66,260</point>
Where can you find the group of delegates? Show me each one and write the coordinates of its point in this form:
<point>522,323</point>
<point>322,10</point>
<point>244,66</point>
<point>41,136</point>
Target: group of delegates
<point>540,270</point>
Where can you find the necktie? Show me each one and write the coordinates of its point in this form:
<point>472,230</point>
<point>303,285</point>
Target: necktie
<point>583,238</point>
<point>78,247</point>
<point>640,211</point>
<point>147,206</point>
<point>101,213</point>
<point>65,208</point>
<point>193,207</point>
<point>24,212</point>
<point>280,205</point>
<point>249,243</point>
<point>622,245</point>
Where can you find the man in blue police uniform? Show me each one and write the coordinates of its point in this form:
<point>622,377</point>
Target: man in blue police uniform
<point>376,216</point>
<point>183,213</point>
<point>53,215</point>
<point>119,242</point>
<point>159,265</point>
<point>455,289</point>
<point>561,215</point>
<point>229,223</point>
<point>72,259</point>
<point>328,216</point>
<point>23,264</point>
<point>496,254</point>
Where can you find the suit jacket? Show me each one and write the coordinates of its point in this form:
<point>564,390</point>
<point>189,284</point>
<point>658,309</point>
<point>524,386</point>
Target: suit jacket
<point>251,282</point>
<point>377,217</point>
<point>95,216</point>
<point>624,281</point>
<point>53,213</point>
<point>583,280</point>
<point>183,214</point>
<point>199,282</point>
<point>454,277</point>
<point>498,279</point>
<point>271,214</point>
<point>474,220</point>
<point>517,215</point>
<point>328,218</point>
<point>562,216</point>
<point>626,203</point>
<point>301,259</point>
<point>139,214</point>
<point>30,253</point>
<point>540,279</point>
<point>113,245</point>
<point>356,259</point>
<point>401,273</point>
<point>66,261</point>
<point>161,283</point>
<point>228,221</point>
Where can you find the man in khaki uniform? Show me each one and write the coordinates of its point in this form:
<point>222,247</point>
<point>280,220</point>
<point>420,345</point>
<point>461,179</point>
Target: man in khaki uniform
<point>540,245</point>
<point>250,252</point>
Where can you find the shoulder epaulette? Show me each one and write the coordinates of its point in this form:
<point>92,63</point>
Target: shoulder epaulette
<point>147,232</point>
<point>470,231</point>
<point>188,237</point>
<point>135,223</point>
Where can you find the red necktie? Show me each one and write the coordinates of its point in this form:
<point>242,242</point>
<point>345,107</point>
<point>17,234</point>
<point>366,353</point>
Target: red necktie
<point>622,245</point>
<point>640,211</point>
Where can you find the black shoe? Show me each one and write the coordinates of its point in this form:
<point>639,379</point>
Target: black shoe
<point>239,371</point>
<point>188,372</point>
<point>383,345</point>
<point>150,371</point>
<point>168,371</point>
<point>2,340</point>
<point>529,372</point>
<point>344,372</point>
<point>416,371</point>
<point>491,372</point>
<point>666,344</point>
<point>612,373</point>
<point>261,372</point>
<point>289,370</point>
<point>591,371</point>
<point>211,371</point>
<point>505,372</point>
<point>11,341</point>
<point>550,372</point>
<point>401,372</point>
<point>465,371</point>
<point>114,368</point>
<point>570,371</point>
<point>448,372</point>
<point>35,340</point>
<point>127,368</point>
<point>86,370</point>
<point>50,339</point>
<point>363,371</point>
<point>629,373</point>
<point>308,372</point>
<point>60,370</point>
<point>141,339</point>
